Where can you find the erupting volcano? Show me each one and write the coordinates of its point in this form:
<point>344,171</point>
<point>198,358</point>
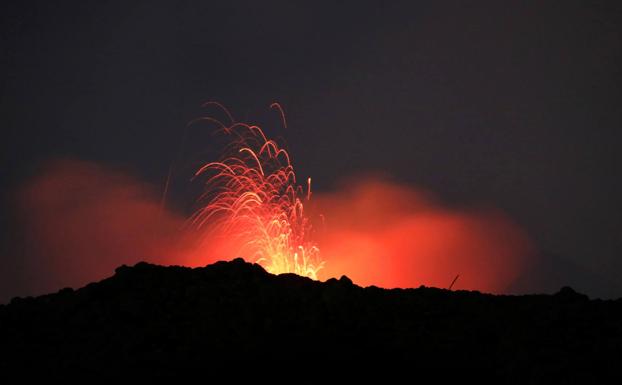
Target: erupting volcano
<point>373,230</point>
<point>252,198</point>
<point>250,204</point>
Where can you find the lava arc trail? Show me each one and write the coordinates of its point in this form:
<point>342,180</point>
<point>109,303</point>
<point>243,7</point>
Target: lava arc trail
<point>252,200</point>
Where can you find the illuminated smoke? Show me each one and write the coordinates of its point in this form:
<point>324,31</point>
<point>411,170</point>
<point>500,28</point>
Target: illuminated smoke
<point>391,235</point>
<point>81,220</point>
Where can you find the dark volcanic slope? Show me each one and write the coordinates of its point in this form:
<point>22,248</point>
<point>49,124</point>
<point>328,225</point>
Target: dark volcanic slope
<point>163,319</point>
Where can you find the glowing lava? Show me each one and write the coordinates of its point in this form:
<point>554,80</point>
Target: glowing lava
<point>251,198</point>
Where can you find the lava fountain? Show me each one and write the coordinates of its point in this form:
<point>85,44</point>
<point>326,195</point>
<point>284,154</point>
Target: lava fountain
<point>252,199</point>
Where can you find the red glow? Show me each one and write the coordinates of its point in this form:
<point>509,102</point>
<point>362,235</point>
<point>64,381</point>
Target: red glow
<point>83,220</point>
<point>388,235</point>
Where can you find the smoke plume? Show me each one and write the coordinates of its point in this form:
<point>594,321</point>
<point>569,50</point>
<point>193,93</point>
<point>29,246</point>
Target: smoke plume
<point>80,220</point>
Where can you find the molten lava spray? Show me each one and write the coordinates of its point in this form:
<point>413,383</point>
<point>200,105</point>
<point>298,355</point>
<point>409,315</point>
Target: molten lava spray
<point>251,199</point>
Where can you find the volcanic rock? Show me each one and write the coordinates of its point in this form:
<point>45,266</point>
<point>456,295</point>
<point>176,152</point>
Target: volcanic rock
<point>157,321</point>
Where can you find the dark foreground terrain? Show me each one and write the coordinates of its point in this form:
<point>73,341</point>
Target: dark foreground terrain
<point>162,321</point>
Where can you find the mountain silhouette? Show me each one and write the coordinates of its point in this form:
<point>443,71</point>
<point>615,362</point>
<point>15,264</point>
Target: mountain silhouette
<point>153,320</point>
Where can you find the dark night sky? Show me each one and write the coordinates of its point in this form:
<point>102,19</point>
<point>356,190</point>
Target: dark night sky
<point>515,105</point>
